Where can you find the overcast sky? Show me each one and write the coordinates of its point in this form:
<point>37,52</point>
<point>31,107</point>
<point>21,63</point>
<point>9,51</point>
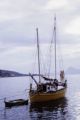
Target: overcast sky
<point>18,22</point>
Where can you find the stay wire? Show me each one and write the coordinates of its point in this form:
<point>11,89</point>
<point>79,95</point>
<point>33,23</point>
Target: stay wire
<point>50,52</point>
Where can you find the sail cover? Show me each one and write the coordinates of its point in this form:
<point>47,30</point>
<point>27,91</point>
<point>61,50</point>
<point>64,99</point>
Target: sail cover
<point>47,79</point>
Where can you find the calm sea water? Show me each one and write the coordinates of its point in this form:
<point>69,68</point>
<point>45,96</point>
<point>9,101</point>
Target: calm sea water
<point>67,108</point>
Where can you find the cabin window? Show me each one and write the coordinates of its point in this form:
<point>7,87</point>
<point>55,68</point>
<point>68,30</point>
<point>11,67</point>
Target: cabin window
<point>48,88</point>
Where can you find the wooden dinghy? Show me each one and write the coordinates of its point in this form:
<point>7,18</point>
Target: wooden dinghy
<point>16,102</point>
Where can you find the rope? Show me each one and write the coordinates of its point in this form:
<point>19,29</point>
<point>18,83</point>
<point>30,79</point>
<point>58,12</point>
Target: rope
<point>50,51</point>
<point>34,63</point>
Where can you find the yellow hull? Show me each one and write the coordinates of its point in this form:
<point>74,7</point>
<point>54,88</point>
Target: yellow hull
<point>42,97</point>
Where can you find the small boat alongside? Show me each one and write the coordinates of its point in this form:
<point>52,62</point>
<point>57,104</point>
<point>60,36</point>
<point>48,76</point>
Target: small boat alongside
<point>16,102</point>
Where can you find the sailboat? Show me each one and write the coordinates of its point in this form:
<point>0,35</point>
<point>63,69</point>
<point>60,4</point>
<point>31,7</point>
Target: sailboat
<point>52,88</point>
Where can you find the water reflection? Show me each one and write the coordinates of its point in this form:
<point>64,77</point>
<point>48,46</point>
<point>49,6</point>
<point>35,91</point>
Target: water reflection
<point>64,109</point>
<point>49,110</point>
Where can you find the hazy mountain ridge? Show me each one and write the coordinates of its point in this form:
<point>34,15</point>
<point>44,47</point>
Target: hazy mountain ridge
<point>8,73</point>
<point>72,70</point>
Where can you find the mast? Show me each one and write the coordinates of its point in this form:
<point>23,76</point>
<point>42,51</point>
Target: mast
<point>55,43</point>
<point>38,48</point>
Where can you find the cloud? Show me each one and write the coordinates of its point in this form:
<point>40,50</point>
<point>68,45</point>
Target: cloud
<point>56,4</point>
<point>18,22</point>
<point>12,9</point>
<point>74,26</point>
<point>17,58</point>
